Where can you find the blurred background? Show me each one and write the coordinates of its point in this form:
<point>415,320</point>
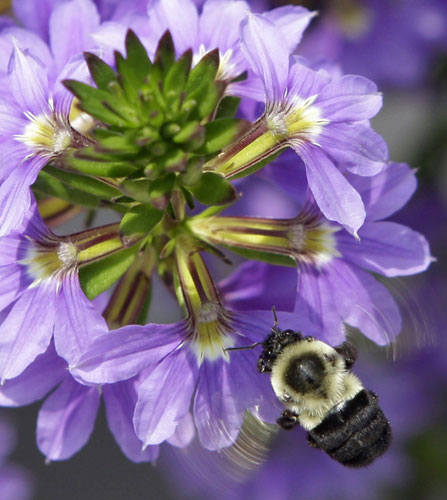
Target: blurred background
<point>401,45</point>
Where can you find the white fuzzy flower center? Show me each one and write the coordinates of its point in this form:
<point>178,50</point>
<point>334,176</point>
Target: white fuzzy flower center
<point>46,134</point>
<point>298,120</point>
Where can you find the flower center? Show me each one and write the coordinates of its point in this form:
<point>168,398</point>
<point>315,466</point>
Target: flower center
<point>46,134</point>
<point>297,121</point>
<point>49,259</point>
<point>212,333</point>
<point>315,245</point>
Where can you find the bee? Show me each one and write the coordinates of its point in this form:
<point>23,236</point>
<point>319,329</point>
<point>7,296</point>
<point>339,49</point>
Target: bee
<point>314,382</point>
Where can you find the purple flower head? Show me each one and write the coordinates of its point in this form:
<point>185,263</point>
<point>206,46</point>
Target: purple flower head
<point>14,481</point>
<point>184,366</point>
<point>39,268</point>
<point>323,118</point>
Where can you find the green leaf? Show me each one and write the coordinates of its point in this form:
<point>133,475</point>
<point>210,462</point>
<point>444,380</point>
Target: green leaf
<point>84,183</point>
<point>97,277</point>
<point>201,86</point>
<point>176,77</point>
<point>213,189</point>
<point>101,72</point>
<point>219,133</point>
<point>140,220</point>
<point>99,168</point>
<point>228,107</point>
<point>191,132</point>
<point>160,190</point>
<point>165,53</point>
<point>137,58</point>
<point>49,185</point>
<point>97,103</point>
<point>138,189</point>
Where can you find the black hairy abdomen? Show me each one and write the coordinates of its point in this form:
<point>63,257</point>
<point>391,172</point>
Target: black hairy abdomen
<point>356,434</point>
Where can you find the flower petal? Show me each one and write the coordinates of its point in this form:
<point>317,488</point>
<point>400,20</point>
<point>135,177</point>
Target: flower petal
<point>266,51</point>
<point>184,432</point>
<point>292,21</point>
<point>386,192</point>
<point>335,197</point>
<point>66,419</point>
<point>217,416</point>
<point>388,248</point>
<point>44,373</point>
<point>26,332</point>
<point>29,82</point>
<point>315,301</point>
<point>123,353</point>
<point>364,303</point>
<point>35,19</point>
<point>71,25</point>
<point>355,147</point>
<point>78,323</point>
<point>350,98</point>
<point>180,17</point>
<point>164,397</point>
<point>120,400</point>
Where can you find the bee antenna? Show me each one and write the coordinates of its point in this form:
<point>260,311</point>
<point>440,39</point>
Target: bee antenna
<point>275,317</point>
<point>252,346</point>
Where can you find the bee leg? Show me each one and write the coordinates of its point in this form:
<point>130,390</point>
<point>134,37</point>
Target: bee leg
<point>288,420</point>
<point>349,353</point>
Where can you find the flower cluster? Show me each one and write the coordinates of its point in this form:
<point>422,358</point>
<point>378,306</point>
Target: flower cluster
<point>166,120</point>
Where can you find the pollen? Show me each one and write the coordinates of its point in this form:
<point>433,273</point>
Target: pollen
<point>46,134</point>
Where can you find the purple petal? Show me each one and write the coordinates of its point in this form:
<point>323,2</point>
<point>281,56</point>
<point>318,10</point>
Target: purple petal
<point>71,25</point>
<point>386,192</point>
<point>184,432</point>
<point>165,396</point>
<point>387,248</point>
<point>120,400</point>
<point>25,40</point>
<point>349,98</point>
<point>217,416</point>
<point>180,17</point>
<point>66,419</point>
<point>305,82</point>
<point>219,24</point>
<point>29,83</point>
<point>78,323</point>
<point>266,51</point>
<point>364,303</point>
<point>26,332</point>
<point>15,193</point>
<point>44,373</point>
<point>258,285</point>
<point>35,17</point>
<point>123,353</point>
<point>335,197</point>
<point>354,146</point>
<point>11,278</point>
<point>315,301</point>
<point>292,21</point>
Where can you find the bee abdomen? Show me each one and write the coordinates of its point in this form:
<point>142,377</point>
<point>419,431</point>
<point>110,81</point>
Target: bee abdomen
<point>356,434</point>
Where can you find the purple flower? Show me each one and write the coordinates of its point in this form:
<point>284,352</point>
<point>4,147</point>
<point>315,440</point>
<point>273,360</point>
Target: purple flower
<point>41,297</point>
<point>322,117</point>
<point>34,106</point>
<point>67,416</point>
<point>333,285</point>
<point>14,481</point>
